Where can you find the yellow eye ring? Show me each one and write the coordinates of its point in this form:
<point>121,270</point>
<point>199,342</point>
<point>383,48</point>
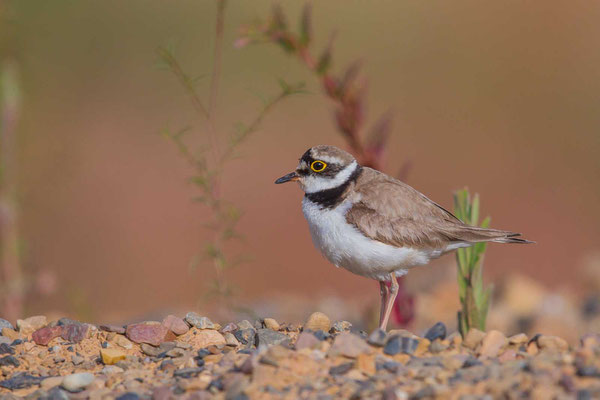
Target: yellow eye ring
<point>318,165</point>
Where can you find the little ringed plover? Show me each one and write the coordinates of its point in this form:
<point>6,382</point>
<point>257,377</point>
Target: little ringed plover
<point>374,225</point>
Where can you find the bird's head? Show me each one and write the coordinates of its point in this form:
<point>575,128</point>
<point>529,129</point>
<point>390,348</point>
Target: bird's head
<point>321,168</point>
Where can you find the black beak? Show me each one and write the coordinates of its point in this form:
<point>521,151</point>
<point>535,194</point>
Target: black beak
<point>292,176</point>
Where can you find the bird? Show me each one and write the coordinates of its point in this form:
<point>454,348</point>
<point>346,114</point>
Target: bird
<point>374,225</point>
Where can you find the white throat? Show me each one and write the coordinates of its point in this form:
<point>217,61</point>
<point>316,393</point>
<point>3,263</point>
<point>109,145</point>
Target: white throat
<point>315,183</point>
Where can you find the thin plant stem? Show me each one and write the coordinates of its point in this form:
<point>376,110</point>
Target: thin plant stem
<point>217,58</point>
<point>184,80</point>
<point>9,230</point>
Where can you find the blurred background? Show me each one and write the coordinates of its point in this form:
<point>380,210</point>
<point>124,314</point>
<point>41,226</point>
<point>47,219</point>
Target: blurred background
<point>501,97</point>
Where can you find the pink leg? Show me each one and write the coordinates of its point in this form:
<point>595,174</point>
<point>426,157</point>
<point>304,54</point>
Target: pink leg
<point>384,291</point>
<point>390,302</point>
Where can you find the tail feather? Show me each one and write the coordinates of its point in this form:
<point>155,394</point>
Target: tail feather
<point>472,234</point>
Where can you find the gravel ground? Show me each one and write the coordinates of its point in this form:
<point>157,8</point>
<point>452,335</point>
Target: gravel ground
<point>194,358</point>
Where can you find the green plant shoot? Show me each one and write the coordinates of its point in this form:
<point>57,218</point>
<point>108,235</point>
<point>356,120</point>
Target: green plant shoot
<point>474,297</point>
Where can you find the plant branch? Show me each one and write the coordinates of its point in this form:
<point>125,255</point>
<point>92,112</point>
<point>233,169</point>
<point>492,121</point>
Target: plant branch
<point>185,81</point>
<point>217,58</point>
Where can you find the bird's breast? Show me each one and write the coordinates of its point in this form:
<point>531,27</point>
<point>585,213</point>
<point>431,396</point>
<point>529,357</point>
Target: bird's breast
<point>345,246</point>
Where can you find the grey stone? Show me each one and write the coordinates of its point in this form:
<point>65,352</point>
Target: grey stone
<point>268,337</point>
<point>9,361</point>
<point>67,321</point>
<point>150,350</point>
<point>113,328</point>
<point>5,324</point>
<point>400,344</point>
<point>57,393</point>
<point>341,369</point>
<point>20,381</point>
<point>245,324</point>
<point>245,336</point>
<point>437,331</point>
<point>129,396</point>
<point>377,338</point>
<point>6,349</point>
<point>198,321</point>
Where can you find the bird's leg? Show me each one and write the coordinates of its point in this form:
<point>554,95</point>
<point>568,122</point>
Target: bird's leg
<point>393,292</point>
<point>384,291</point>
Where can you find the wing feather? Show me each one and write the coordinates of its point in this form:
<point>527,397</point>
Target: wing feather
<point>394,213</point>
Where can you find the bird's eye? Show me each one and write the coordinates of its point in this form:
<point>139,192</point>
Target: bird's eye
<point>318,166</point>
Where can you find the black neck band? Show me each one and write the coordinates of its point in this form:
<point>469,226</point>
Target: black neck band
<point>330,198</point>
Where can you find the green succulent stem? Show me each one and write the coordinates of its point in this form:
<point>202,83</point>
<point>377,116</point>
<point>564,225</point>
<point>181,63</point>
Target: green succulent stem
<point>474,296</point>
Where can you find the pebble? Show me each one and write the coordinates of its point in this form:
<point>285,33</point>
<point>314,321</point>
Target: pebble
<point>270,323</point>
<point>437,331</point>
<point>207,338</point>
<point>519,338</point>
<point>5,324</point>
<point>438,346</point>
<point>341,326</point>
<point>113,328</point>
<point>552,343</point>
<point>268,337</point>
<point>341,369</point>
<point>348,345</point>
<point>111,369</point>
<point>44,335</point>
<point>473,338</point>
<point>152,333</point>
<point>20,380</point>
<point>492,343</point>
<point>230,327</point>
<point>31,324</point>
<point>177,325</point>
<point>245,336</point>
<point>230,339</point>
<point>318,321</point>
<point>306,340</point>
<point>74,332</point>
<point>400,344</point>
<point>7,361</point>
<point>245,324</point>
<point>199,322</point>
<point>49,383</point>
<point>6,349</point>
<point>76,360</point>
<point>128,396</point>
<point>111,356</point>
<point>150,350</point>
<point>377,338</point>
<point>321,335</point>
<point>76,382</point>
<point>360,366</point>
<point>123,342</point>
<point>176,352</point>
<point>5,340</point>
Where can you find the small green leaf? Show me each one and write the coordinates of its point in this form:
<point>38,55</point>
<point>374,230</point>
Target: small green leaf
<point>474,217</point>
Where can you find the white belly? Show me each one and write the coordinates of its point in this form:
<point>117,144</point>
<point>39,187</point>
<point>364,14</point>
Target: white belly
<point>343,245</point>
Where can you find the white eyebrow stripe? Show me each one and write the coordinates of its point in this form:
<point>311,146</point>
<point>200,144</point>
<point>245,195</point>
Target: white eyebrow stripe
<point>316,183</point>
<point>330,160</point>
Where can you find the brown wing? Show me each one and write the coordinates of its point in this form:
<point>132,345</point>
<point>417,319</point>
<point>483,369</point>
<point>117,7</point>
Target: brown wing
<point>394,213</point>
